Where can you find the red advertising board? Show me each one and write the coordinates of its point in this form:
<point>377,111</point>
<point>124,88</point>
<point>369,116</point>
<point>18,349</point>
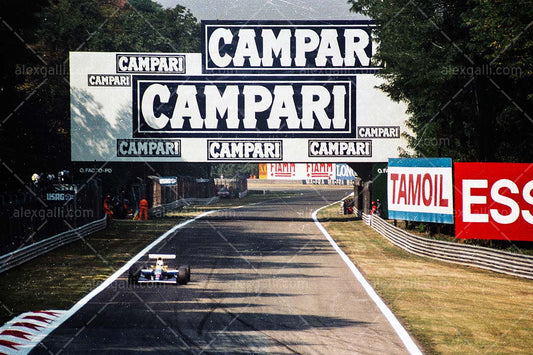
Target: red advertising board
<point>494,201</point>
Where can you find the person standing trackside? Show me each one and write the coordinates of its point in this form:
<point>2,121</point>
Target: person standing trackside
<point>107,207</point>
<point>143,209</point>
<point>378,211</point>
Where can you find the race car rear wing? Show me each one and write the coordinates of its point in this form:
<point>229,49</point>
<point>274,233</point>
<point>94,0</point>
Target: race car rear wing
<point>162,256</point>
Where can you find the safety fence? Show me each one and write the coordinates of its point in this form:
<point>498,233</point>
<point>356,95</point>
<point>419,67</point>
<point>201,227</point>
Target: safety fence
<point>464,254</point>
<point>47,210</point>
<point>27,253</point>
<point>22,255</point>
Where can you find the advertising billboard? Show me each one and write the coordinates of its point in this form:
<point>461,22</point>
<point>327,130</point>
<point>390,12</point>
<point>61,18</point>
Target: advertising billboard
<point>297,171</point>
<point>344,172</point>
<point>494,201</point>
<point>420,189</point>
<point>274,91</point>
<point>309,171</point>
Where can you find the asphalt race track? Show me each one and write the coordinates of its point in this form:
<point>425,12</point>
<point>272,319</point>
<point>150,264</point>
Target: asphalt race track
<point>264,280</point>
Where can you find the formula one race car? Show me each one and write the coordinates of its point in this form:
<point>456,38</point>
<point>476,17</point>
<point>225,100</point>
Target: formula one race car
<point>160,272</point>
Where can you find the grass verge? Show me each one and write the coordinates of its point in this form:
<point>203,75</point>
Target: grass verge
<point>450,309</point>
<point>57,280</point>
<point>60,278</point>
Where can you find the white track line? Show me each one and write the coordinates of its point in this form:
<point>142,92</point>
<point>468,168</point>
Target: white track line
<point>60,320</point>
<point>391,318</point>
<point>396,325</point>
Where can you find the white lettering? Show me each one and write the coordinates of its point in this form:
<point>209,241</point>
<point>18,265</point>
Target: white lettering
<point>276,47</point>
<point>122,63</point>
<point>222,104</point>
<point>238,150</point>
<point>528,197</point>
<point>356,49</point>
<point>504,200</point>
<point>218,37</point>
<point>336,46</point>
<point>224,107</point>
<point>283,106</point>
<point>246,48</point>
<point>147,105</point>
<point>312,107</point>
<point>469,200</point>
<point>252,106</point>
<point>306,41</point>
<point>186,106</point>
<point>329,49</point>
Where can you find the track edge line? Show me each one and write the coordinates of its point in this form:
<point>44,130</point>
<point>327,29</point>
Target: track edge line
<point>64,317</point>
<point>402,333</point>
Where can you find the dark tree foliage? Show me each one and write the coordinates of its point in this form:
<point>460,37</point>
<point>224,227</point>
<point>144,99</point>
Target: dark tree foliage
<point>36,39</point>
<point>17,29</point>
<point>464,69</point>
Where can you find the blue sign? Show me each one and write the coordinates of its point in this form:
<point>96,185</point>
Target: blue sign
<point>168,181</point>
<point>344,172</point>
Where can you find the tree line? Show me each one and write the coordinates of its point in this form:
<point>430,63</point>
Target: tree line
<point>36,39</point>
<point>464,68</point>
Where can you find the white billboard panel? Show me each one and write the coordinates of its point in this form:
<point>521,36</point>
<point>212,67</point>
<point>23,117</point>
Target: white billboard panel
<point>260,92</point>
<point>295,171</point>
<point>300,171</point>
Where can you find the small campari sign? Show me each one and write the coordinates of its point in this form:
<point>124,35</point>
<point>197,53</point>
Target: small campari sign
<point>420,190</point>
<point>494,201</point>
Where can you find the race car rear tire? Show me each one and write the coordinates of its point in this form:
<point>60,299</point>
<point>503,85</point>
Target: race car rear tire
<point>134,273</point>
<point>184,275</point>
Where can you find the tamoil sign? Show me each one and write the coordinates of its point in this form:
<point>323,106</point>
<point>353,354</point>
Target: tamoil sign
<point>494,201</point>
<point>420,190</point>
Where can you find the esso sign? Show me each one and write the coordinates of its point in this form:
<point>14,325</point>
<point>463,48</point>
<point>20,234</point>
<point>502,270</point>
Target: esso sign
<point>494,201</point>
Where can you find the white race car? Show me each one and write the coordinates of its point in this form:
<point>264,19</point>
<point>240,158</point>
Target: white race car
<point>160,272</point>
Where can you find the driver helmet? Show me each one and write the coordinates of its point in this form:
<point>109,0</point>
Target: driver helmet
<point>159,263</point>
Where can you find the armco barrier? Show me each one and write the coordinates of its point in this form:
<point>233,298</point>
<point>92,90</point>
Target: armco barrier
<point>159,211</point>
<point>465,254</point>
<point>20,256</point>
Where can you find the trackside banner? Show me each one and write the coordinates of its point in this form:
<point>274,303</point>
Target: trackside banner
<point>494,201</point>
<point>263,92</point>
<point>420,190</point>
<point>344,172</point>
<point>292,171</point>
<point>305,46</point>
<point>259,107</point>
<point>297,171</point>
